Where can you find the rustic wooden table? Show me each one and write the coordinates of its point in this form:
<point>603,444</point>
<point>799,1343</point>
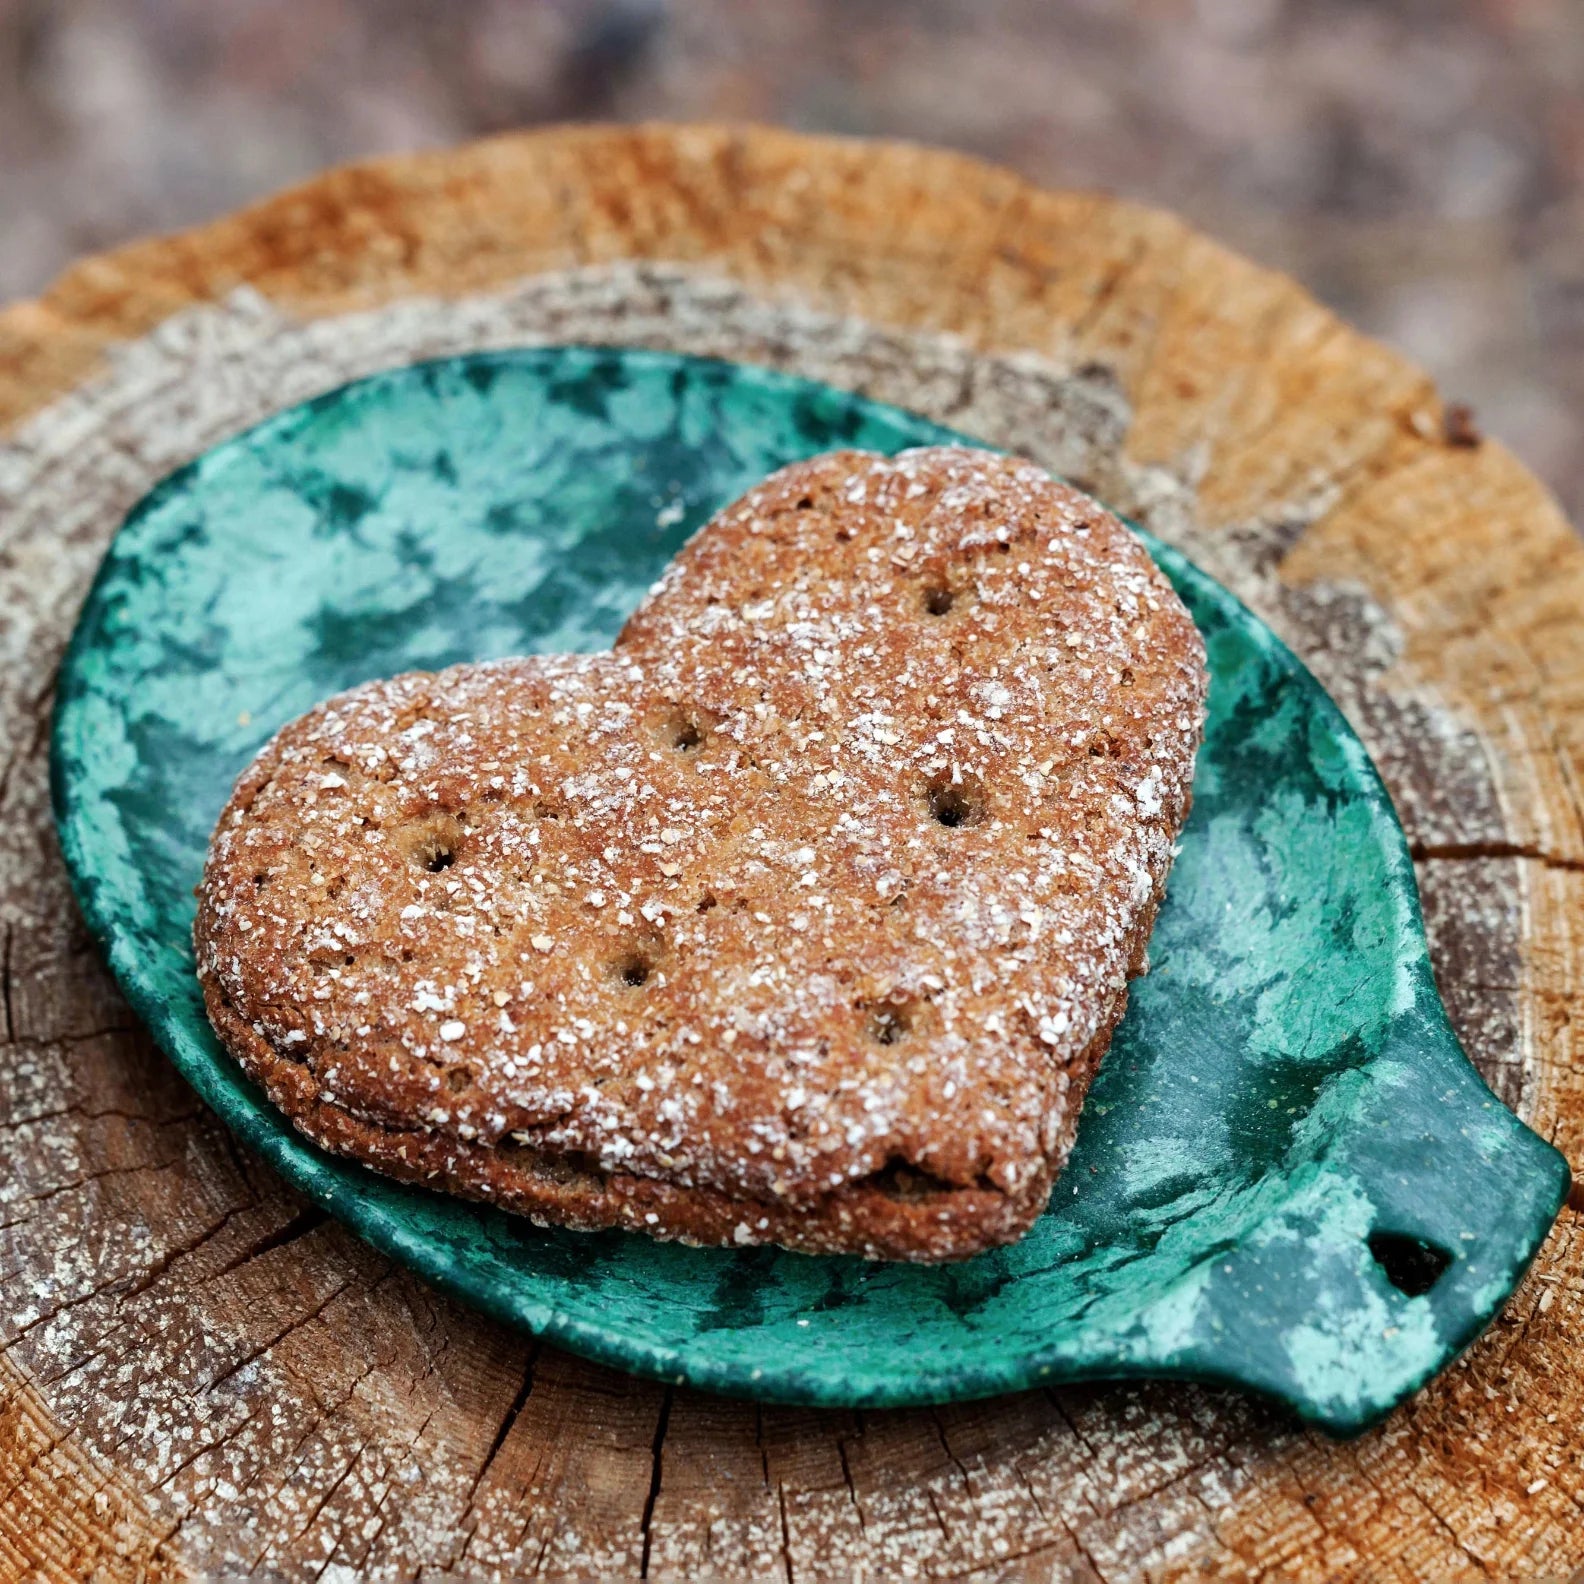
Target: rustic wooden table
<point>199,1375</point>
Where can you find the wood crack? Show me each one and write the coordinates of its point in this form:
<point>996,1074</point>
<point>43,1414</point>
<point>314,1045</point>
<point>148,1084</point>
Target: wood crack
<point>76,1037</point>
<point>786,1531</point>
<point>279,1336</point>
<point>1463,852</point>
<point>291,1460</point>
<point>142,1284</point>
<point>657,1454</point>
<point>78,1109</point>
<point>956,1462</point>
<point>309,1219</point>
<point>137,1168</point>
<point>5,987</point>
<point>1441,1523</point>
<point>847,1474</point>
<point>120,1288</point>
<point>323,1502</point>
<point>378,1517</point>
<point>502,1431</point>
<point>202,1450</point>
<point>774,1486</point>
<point>1060,1519</point>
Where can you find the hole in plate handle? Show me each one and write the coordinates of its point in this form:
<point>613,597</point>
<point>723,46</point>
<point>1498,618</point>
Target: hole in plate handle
<point>1410,1264</point>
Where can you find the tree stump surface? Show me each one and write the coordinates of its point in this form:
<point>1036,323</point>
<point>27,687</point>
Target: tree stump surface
<point>200,1376</point>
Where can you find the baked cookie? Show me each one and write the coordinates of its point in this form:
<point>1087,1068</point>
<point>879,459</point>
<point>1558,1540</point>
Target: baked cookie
<point>803,916</point>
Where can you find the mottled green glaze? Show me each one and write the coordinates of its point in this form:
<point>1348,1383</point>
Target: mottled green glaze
<point>1284,1086</point>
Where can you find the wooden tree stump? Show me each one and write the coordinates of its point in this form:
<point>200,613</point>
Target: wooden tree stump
<point>200,1375</point>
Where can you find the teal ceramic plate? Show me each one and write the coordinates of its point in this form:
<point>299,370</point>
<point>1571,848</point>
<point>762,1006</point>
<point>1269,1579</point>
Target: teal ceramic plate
<point>1288,1176</point>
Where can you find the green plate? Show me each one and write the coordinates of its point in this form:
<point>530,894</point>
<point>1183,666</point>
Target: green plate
<point>1288,1177</point>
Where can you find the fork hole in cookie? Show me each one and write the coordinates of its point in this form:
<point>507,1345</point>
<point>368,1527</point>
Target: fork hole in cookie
<point>324,960</point>
<point>432,844</point>
<point>938,599</point>
<point>634,968</point>
<point>684,731</point>
<point>890,1022</point>
<point>955,803</point>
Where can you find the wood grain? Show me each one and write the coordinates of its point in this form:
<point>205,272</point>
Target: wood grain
<point>198,1375</point>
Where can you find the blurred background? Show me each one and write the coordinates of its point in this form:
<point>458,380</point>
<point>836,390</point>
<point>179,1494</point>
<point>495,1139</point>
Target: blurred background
<point>1419,164</point>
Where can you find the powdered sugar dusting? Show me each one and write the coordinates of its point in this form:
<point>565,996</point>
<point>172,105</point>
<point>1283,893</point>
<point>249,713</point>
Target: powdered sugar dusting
<point>826,882</point>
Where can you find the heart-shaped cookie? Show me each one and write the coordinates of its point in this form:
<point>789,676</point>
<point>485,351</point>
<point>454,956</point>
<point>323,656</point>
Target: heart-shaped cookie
<point>804,916</point>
